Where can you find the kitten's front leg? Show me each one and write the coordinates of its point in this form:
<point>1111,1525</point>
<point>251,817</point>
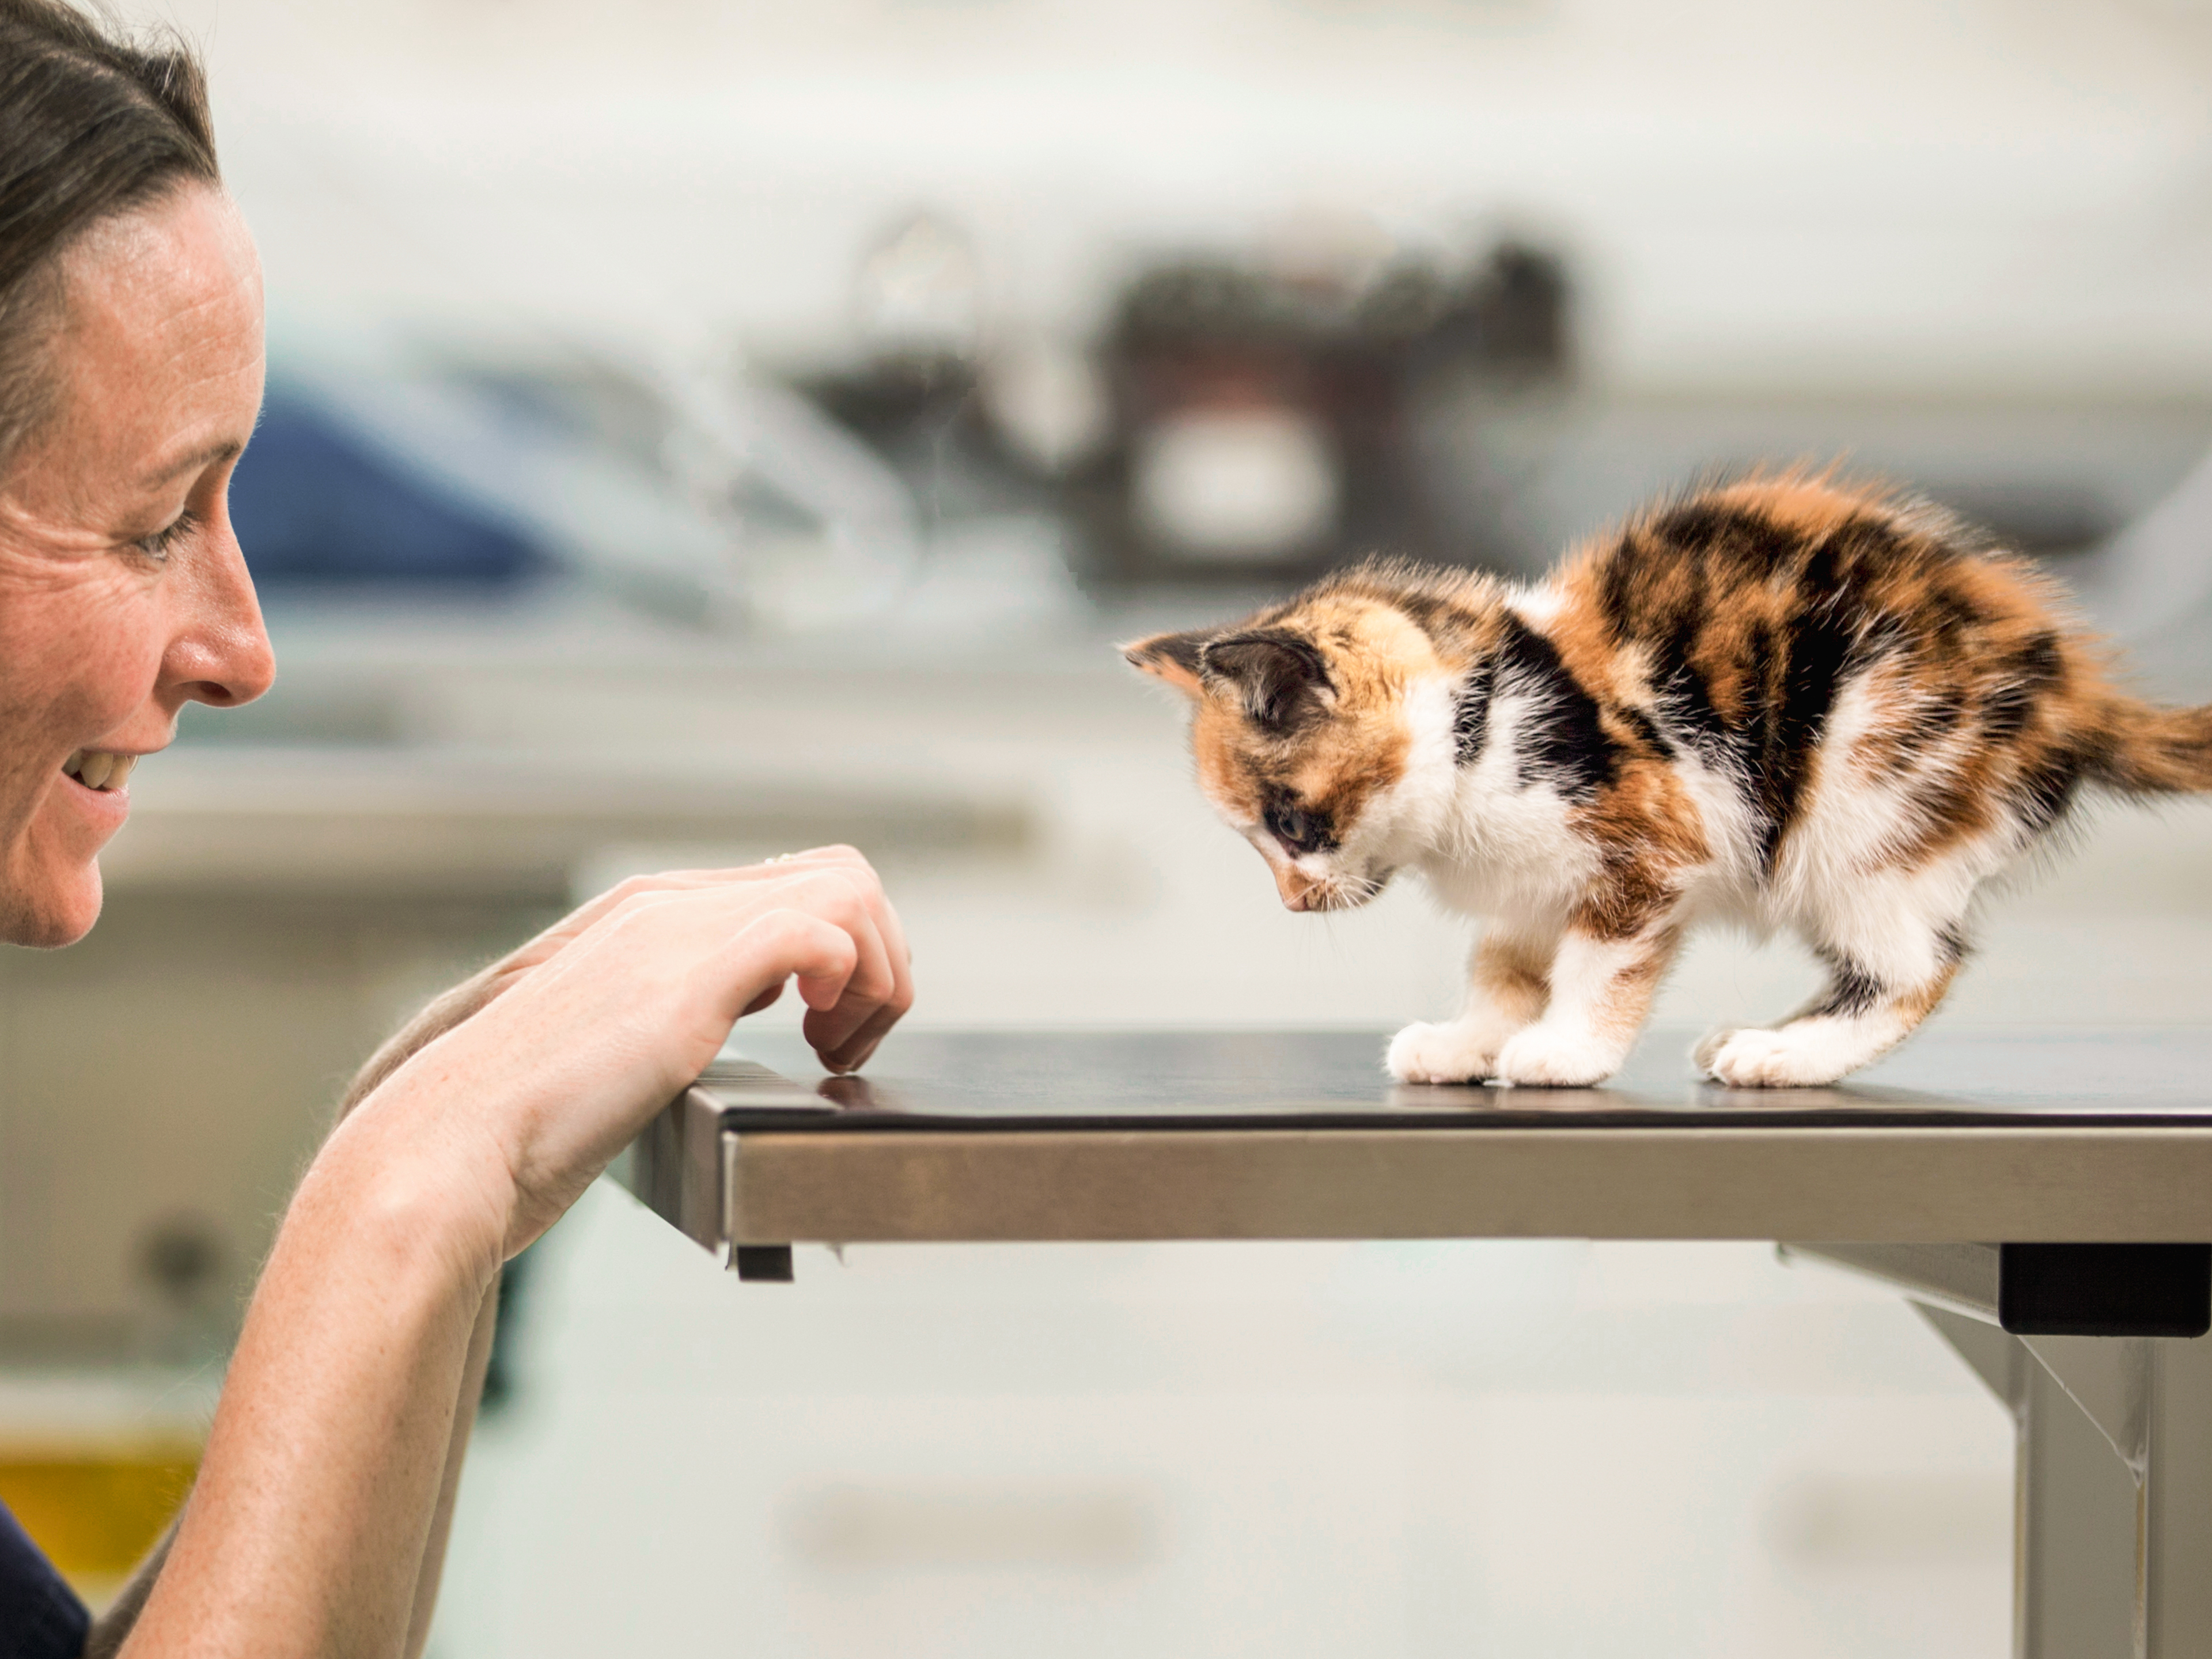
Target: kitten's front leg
<point>1602,983</point>
<point>1507,982</point>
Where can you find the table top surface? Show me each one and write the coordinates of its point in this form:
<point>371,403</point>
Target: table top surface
<point>1014,1083</point>
<point>1041,1136</point>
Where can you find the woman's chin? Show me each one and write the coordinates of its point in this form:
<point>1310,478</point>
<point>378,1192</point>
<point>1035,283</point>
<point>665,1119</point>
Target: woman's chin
<point>53,909</point>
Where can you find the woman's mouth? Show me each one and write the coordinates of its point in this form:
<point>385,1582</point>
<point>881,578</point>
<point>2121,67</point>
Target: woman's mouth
<point>99,769</point>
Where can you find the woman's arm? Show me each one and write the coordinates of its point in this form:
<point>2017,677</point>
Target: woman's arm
<point>318,1523</point>
<point>436,1017</point>
<point>457,1450</point>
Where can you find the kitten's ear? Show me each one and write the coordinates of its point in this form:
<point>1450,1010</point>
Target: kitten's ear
<point>1280,675</point>
<point>1170,657</point>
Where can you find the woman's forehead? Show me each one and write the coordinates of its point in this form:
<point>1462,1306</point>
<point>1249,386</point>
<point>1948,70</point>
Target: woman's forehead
<point>159,362</point>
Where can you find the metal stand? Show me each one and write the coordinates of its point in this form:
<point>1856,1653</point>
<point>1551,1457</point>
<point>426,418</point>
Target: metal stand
<point>2113,1504</point>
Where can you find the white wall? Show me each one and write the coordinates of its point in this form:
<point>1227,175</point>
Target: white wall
<point>1890,195</point>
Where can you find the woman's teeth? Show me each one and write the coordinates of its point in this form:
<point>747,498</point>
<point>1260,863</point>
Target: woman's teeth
<point>96,770</point>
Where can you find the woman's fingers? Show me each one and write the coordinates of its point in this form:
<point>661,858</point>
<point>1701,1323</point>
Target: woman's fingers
<point>693,952</point>
<point>839,885</point>
<point>845,1036</point>
<point>725,927</point>
<point>851,1053</point>
<point>837,1013</point>
<point>823,953</point>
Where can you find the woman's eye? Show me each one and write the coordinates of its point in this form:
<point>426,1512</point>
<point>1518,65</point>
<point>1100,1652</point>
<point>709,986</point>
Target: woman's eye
<point>157,545</point>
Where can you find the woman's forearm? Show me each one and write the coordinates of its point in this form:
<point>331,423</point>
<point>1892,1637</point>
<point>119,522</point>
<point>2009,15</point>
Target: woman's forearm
<point>319,1516</point>
<point>115,1623</point>
<point>310,1526</point>
<point>457,1448</point>
<point>435,1019</point>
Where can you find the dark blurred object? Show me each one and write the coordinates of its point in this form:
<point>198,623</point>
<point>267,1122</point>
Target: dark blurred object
<point>182,1258</point>
<point>1254,420</point>
<point>500,1370</point>
<point>913,400</point>
<point>1270,423</point>
<point>317,505</point>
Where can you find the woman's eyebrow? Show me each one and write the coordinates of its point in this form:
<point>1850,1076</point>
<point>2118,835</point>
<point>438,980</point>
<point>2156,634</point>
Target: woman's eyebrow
<point>225,450</point>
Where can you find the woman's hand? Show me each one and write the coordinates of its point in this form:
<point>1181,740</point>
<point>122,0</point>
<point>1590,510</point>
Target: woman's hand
<point>843,1037</point>
<point>597,1023</point>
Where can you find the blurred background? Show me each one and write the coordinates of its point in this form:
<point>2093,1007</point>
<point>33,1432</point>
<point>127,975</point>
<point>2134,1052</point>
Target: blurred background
<point>700,430</point>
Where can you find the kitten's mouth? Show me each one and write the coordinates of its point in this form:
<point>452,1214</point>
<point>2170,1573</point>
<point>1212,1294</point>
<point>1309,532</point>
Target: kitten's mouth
<point>101,771</point>
<point>1338,893</point>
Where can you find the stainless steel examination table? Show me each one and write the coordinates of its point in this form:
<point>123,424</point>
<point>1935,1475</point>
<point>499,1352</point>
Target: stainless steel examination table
<point>2045,1201</point>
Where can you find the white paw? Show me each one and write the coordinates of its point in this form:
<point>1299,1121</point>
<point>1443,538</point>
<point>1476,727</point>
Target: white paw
<point>1710,1045</point>
<point>1452,1051</point>
<point>1797,1057</point>
<point>1541,1058</point>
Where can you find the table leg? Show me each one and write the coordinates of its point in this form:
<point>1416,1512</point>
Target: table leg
<point>2175,1532</point>
<point>2074,1505</point>
<point>2113,1509</point>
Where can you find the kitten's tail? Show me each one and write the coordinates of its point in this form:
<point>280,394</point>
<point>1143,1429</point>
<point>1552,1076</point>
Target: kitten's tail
<point>2147,750</point>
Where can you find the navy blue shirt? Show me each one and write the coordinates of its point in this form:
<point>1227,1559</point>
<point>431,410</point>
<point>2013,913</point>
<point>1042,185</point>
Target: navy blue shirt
<point>40,1617</point>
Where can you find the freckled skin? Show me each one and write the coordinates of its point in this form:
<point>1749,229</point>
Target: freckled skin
<point>158,382</point>
<point>1783,702</point>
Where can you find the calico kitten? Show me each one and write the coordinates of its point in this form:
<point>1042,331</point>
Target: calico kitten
<point>1781,702</point>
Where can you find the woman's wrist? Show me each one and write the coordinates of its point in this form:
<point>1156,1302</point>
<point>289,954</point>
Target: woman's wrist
<point>415,1172</point>
<point>437,1016</point>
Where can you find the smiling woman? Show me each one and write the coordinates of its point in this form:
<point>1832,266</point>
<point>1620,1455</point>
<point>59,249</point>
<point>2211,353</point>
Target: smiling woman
<point>131,376</point>
<point>123,593</point>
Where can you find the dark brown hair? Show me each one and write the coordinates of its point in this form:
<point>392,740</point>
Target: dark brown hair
<point>91,126</point>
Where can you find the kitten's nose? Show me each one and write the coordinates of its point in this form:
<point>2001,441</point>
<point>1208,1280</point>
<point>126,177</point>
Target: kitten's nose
<point>1295,886</point>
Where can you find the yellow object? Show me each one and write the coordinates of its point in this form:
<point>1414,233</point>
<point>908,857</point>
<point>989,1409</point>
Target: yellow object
<point>96,1511</point>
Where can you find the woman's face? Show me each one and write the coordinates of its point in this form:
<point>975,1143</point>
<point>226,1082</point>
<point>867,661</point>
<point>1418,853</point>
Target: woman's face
<point>123,593</point>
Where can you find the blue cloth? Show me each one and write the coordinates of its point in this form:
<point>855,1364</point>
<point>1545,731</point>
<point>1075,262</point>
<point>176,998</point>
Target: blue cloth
<point>40,1617</point>
<point>313,505</point>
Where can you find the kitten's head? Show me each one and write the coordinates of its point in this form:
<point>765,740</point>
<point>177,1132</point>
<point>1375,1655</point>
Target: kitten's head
<point>1304,737</point>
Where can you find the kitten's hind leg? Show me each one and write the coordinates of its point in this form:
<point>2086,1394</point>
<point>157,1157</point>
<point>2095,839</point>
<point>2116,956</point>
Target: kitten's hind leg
<point>1509,981</point>
<point>1879,990</point>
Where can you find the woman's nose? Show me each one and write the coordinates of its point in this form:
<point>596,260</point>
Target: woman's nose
<point>219,652</point>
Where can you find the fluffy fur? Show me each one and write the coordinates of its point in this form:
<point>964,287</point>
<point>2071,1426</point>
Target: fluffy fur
<point>1783,702</point>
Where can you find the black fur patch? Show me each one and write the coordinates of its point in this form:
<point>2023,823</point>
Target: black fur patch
<point>1422,610</point>
<point>1564,743</point>
<point>1279,674</point>
<point>1647,733</point>
<point>1182,650</point>
<point>2046,789</point>
<point>2022,678</point>
<point>1667,629</point>
<point>1816,648</point>
<point>1851,989</point>
<point>1471,713</point>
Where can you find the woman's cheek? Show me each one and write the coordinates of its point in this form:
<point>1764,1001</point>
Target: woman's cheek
<point>118,662</point>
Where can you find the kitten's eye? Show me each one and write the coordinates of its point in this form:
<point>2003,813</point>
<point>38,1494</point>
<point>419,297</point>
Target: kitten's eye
<point>1293,828</point>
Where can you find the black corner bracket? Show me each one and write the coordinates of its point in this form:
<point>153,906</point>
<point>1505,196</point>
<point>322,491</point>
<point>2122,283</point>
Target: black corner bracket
<point>2105,1290</point>
<point>763,1264</point>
